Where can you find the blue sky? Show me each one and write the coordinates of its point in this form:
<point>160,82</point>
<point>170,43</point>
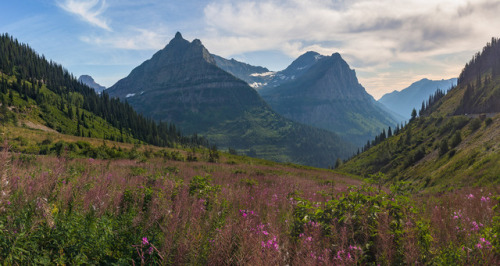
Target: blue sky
<point>390,43</point>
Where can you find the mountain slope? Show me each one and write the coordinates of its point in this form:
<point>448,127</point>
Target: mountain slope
<point>324,92</point>
<point>255,76</point>
<point>182,84</point>
<point>41,93</point>
<point>402,102</point>
<point>89,81</point>
<point>443,149</point>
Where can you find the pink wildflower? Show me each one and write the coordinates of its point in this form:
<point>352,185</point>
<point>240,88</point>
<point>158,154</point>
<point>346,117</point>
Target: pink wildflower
<point>145,241</point>
<point>470,196</point>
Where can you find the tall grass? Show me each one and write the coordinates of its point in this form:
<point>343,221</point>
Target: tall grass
<point>71,211</point>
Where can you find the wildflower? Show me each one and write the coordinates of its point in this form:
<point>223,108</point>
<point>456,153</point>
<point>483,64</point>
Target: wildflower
<point>485,199</point>
<point>478,245</point>
<point>150,250</point>
<point>145,241</point>
<point>309,239</point>
<point>470,196</point>
<point>265,233</point>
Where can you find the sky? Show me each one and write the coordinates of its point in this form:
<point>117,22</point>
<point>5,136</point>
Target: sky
<point>390,43</point>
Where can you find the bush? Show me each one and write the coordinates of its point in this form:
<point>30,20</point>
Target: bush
<point>475,124</point>
<point>488,121</point>
<point>443,147</point>
<point>456,139</point>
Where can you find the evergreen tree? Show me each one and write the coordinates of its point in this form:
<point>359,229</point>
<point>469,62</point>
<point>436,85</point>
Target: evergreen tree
<point>413,115</point>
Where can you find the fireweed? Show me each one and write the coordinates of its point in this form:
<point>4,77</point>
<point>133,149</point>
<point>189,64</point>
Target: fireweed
<point>81,211</point>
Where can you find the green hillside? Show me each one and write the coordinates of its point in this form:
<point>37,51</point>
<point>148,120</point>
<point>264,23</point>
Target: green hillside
<point>455,141</point>
<point>41,94</point>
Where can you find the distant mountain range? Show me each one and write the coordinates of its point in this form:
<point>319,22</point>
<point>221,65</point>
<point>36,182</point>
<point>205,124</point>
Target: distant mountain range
<point>89,81</point>
<point>322,91</point>
<point>402,102</point>
<point>183,84</point>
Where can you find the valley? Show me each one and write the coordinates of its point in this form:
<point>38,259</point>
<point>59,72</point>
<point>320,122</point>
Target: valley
<point>184,162</point>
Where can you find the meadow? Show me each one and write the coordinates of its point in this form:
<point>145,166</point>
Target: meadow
<point>231,211</point>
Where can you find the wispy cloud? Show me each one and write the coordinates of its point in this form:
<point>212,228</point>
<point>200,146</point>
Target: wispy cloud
<point>88,10</point>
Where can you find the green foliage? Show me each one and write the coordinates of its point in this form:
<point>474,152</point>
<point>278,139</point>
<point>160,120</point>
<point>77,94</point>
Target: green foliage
<point>203,188</point>
<point>70,107</point>
<point>456,139</point>
<point>359,209</point>
<point>443,147</point>
<point>475,124</point>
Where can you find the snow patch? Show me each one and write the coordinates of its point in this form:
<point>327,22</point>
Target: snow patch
<point>256,85</point>
<point>130,95</point>
<point>265,74</point>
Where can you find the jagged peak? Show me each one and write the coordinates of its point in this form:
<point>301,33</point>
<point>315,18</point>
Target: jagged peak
<point>197,42</point>
<point>178,35</point>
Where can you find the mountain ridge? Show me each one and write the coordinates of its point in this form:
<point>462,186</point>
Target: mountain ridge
<point>326,94</point>
<point>402,102</point>
<point>89,81</point>
<point>182,84</point>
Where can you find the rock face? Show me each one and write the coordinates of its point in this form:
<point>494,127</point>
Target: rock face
<point>89,81</point>
<point>324,92</point>
<point>402,102</point>
<point>182,84</point>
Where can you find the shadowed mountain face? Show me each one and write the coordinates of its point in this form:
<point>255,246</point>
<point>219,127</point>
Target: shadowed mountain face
<point>89,81</point>
<point>324,92</point>
<point>183,84</point>
<point>255,76</point>
<point>403,102</point>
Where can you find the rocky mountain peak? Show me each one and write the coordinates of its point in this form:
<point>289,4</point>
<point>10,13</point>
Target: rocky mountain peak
<point>89,81</point>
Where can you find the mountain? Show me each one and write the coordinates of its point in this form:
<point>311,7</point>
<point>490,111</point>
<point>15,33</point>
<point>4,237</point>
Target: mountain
<point>402,102</point>
<point>322,91</point>
<point>41,94</point>
<point>182,84</point>
<point>255,76</point>
<point>456,140</point>
<point>89,81</point>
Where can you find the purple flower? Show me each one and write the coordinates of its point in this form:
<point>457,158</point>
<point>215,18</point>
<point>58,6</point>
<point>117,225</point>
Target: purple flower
<point>150,250</point>
<point>145,241</point>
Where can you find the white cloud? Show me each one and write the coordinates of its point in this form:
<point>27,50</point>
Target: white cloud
<point>88,10</point>
<point>374,36</point>
<point>131,39</point>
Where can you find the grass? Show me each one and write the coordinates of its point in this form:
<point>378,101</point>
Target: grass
<point>159,211</point>
<point>414,154</point>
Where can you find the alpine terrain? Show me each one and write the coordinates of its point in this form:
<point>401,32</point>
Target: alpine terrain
<point>322,91</point>
<point>404,101</point>
<point>183,84</point>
